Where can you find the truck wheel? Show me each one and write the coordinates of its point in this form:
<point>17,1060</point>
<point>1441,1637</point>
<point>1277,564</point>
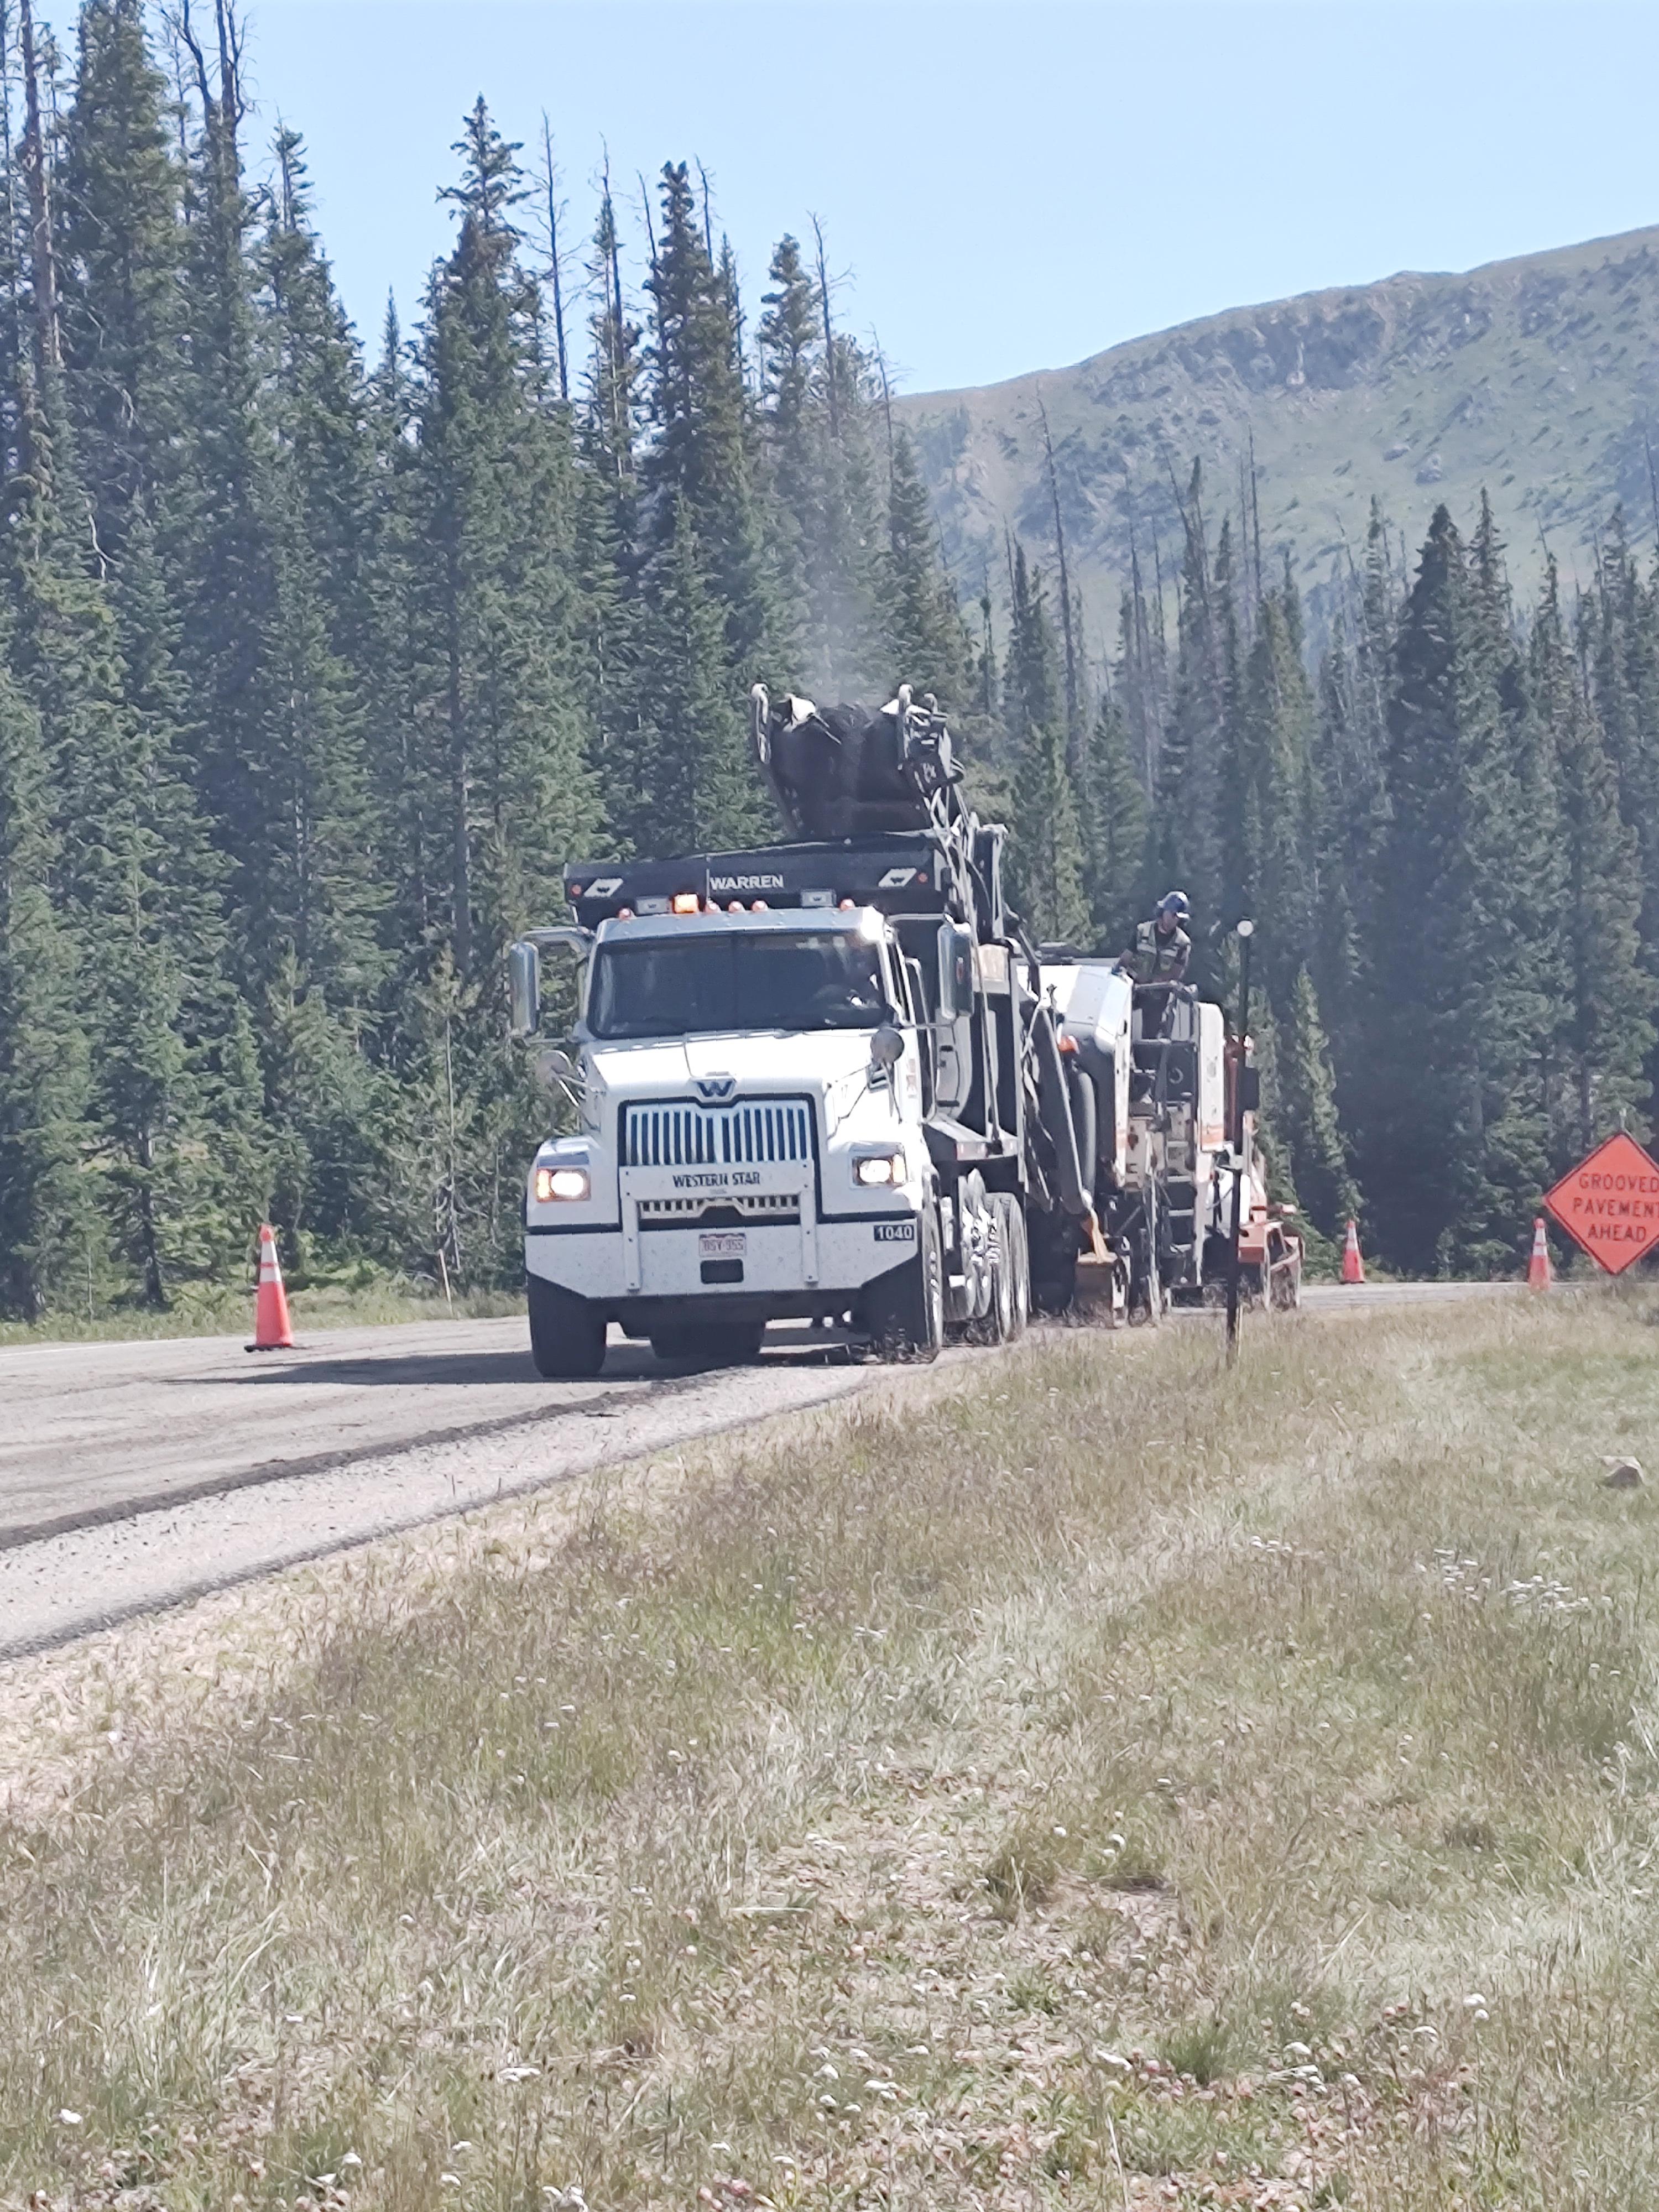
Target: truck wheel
<point>992,1327</point>
<point>905,1314</point>
<point>1019,1261</point>
<point>1151,1302</point>
<point>733,1344</point>
<point>566,1334</point>
<point>1005,1317</point>
<point>1147,1299</point>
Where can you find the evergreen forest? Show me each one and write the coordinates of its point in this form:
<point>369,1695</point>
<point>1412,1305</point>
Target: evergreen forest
<point>318,662</point>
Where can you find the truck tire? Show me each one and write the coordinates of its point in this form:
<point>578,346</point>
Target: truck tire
<point>1283,1273</point>
<point>1147,1299</point>
<point>905,1312</point>
<point>996,1324</point>
<point>1018,1264</point>
<point>733,1344</point>
<point>979,1279</point>
<point>566,1334</point>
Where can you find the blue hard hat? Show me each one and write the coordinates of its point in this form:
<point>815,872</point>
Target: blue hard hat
<point>1174,903</point>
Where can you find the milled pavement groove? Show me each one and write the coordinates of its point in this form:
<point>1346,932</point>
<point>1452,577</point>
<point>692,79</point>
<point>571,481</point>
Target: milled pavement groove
<point>135,1476</point>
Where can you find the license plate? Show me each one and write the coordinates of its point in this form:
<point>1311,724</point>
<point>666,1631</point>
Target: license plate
<point>723,1244</point>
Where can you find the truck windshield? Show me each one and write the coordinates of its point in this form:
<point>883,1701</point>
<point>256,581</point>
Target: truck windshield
<point>702,984</point>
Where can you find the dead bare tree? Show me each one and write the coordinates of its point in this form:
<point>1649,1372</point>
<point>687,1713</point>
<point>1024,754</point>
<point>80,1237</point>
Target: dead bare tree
<point>549,180</point>
<point>37,182</point>
<point>831,380</point>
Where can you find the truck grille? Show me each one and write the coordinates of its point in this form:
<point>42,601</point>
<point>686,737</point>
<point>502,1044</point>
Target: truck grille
<point>772,1129</point>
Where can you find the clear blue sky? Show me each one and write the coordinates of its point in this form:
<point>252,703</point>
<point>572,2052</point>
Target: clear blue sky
<point>1006,187</point>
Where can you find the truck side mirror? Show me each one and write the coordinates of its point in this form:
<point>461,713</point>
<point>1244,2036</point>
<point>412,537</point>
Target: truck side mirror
<point>887,1047</point>
<point>524,988</point>
<point>1249,1089</point>
<point>554,1066</point>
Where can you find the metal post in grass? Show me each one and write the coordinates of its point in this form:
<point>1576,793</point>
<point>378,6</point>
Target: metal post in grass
<point>1246,931</point>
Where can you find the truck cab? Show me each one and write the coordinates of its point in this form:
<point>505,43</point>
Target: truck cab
<point>750,1090</point>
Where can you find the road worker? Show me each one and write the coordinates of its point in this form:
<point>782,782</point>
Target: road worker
<point>1162,949</point>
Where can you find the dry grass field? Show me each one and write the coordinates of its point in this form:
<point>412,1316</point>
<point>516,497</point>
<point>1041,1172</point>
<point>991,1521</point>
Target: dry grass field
<point>1097,1782</point>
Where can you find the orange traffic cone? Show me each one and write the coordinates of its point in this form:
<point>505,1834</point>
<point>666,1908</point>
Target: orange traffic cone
<point>272,1331</point>
<point>1539,1274</point>
<point>1353,1267</point>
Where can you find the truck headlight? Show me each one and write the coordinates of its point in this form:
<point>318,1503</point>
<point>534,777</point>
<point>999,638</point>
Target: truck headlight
<point>561,1183</point>
<point>879,1168</point>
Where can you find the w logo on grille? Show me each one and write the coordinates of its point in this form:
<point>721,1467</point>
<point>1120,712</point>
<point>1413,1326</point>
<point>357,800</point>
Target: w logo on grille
<point>711,1089</point>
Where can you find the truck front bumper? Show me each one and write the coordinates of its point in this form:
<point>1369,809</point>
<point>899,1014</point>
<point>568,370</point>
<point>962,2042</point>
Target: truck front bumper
<point>805,1265</point>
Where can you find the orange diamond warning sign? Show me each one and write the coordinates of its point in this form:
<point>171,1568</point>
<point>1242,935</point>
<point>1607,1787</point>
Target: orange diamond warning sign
<point>1610,1203</point>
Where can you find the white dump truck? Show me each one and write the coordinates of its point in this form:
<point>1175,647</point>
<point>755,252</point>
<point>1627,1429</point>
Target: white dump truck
<point>816,1080</point>
<point>831,1080</point>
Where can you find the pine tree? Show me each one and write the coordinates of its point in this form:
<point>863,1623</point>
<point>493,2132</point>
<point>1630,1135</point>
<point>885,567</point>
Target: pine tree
<point>701,794</point>
<point>1046,849</point>
<point>1605,1000</point>
<point>1456,1135</point>
<point>123,252</point>
<point>1335,963</point>
<point>1115,822</point>
<point>448,1191</point>
<point>1272,1139</point>
<point>318,901</point>
<point>44,1215</point>
<point>607,543</point>
<point>1620,644</point>
<point>792,437</point>
<point>94,643</point>
<point>495,527</point>
<point>1279,717</point>
<point>923,626</point>
<point>699,454</point>
<point>408,789</point>
<point>1313,1131</point>
<point>213,539</point>
<point>1142,676</point>
<point>1184,845</point>
<point>177,1124</point>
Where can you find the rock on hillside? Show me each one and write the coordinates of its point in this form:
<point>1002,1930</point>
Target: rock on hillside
<point>1536,378</point>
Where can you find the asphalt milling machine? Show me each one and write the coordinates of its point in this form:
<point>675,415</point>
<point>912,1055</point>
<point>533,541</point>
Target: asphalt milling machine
<point>833,1080</point>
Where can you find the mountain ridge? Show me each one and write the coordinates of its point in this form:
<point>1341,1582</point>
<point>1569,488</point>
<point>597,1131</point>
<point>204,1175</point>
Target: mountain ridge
<point>1533,377</point>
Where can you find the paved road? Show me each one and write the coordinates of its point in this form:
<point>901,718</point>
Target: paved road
<point>133,1475</point>
<point>103,1430</point>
